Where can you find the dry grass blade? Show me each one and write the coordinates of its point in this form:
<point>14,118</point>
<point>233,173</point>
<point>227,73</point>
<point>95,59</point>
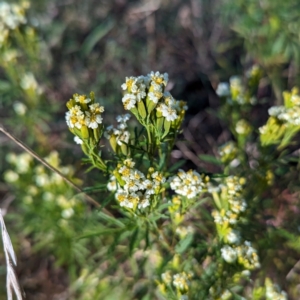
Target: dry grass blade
<point>12,284</point>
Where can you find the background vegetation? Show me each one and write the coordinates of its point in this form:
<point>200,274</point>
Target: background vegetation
<point>80,46</point>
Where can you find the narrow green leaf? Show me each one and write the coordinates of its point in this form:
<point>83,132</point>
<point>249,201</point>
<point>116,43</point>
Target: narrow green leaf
<point>104,231</point>
<point>177,165</point>
<point>133,240</point>
<point>95,36</point>
<point>184,244</point>
<point>111,219</point>
<point>210,159</point>
<point>100,187</point>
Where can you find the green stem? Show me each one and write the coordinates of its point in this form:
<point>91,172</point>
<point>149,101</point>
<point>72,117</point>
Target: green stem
<point>149,140</point>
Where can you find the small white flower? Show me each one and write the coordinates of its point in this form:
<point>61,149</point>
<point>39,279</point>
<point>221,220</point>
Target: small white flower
<point>155,96</point>
<point>159,78</point>
<point>20,108</point>
<point>78,140</point>
<point>82,99</point>
<point>132,186</point>
<point>129,101</point>
<point>93,120</point>
<point>123,118</point>
<point>126,203</point>
<point>233,237</point>
<point>112,184</point>
<point>275,111</point>
<point>226,295</point>
<point>67,213</point>
<point>223,89</point>
<point>129,84</point>
<point>129,163</point>
<point>188,184</point>
<point>28,82</point>
<point>166,277</point>
<point>81,120</point>
<point>76,111</point>
<point>229,254</point>
<point>263,129</point>
<point>96,108</point>
<point>144,203</point>
<point>181,281</point>
<point>169,112</point>
<point>148,185</point>
<point>11,176</point>
<point>42,180</point>
<point>123,138</point>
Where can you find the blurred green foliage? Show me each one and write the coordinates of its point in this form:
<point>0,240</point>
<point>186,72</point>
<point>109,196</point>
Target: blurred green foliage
<point>78,46</point>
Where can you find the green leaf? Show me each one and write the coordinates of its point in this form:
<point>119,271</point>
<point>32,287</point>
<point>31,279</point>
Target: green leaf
<point>184,244</point>
<point>133,241</point>
<point>100,187</point>
<point>177,165</point>
<point>111,219</point>
<point>104,231</point>
<point>147,237</point>
<point>210,159</point>
<point>158,216</point>
<point>95,36</point>
<point>164,206</point>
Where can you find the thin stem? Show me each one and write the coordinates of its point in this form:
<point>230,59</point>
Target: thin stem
<point>42,161</point>
<point>149,140</point>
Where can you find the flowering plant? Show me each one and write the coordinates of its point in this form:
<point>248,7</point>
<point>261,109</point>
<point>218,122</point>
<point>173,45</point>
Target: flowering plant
<point>179,233</point>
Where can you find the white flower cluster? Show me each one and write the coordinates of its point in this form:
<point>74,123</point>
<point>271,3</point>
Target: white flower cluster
<point>181,281</point>
<point>11,17</point>
<point>231,190</point>
<point>234,250</point>
<point>242,127</point>
<point>137,189</point>
<point>183,231</point>
<point>245,254</point>
<point>234,92</point>
<point>150,90</point>
<point>229,254</point>
<point>121,134</point>
<point>273,291</point>
<point>188,184</point>
<point>136,90</point>
<point>77,116</point>
<point>286,115</point>
<point>28,82</point>
<point>20,108</point>
<point>170,108</point>
<point>228,152</point>
<point>21,162</point>
<point>284,120</point>
<point>223,89</point>
<point>49,187</point>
